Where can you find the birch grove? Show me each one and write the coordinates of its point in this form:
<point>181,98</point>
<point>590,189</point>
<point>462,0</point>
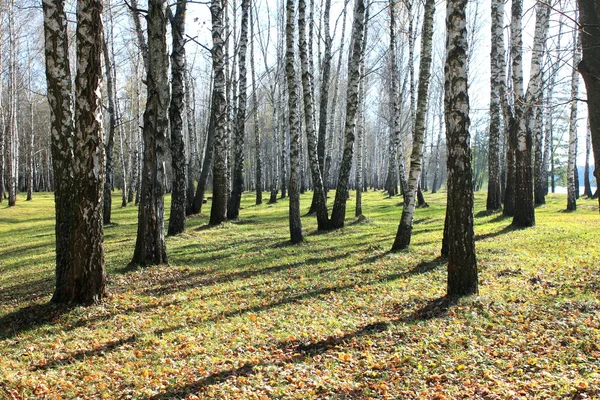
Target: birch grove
<point>323,110</point>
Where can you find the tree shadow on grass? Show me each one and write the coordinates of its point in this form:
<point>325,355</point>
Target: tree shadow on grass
<point>27,291</point>
<point>294,351</point>
<point>506,229</point>
<point>100,350</point>
<point>289,352</point>
<point>436,308</point>
<point>28,318</point>
<point>486,213</point>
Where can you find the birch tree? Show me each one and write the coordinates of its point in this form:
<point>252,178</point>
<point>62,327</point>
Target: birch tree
<point>150,246</point>
<point>86,282</point>
<point>589,68</point>
<point>257,141</point>
<point>295,223</point>
<point>494,195</point>
<point>462,264</point>
<point>176,110</point>
<point>338,213</point>
<point>360,125</point>
<point>240,120</point>
<point>524,215</point>
<point>534,95</point>
<point>58,78</point>
<point>218,211</point>
<point>404,232</point>
<point>320,201</point>
<point>572,158</point>
<point>109,144</point>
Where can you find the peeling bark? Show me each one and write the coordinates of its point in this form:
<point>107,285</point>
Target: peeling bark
<point>150,246</point>
<point>462,264</point>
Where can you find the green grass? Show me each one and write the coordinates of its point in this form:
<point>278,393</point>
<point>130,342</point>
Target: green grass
<point>241,313</point>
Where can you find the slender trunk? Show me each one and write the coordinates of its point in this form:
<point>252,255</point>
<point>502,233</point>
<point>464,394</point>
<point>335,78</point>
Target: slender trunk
<point>218,212</point>
<point>404,232</point>
<point>338,214</point>
<point>240,120</point>
<point>324,90</point>
<point>141,41</point>
<point>176,109</point>
<point>494,200</point>
<point>534,98</point>
<point>586,179</point>
<point>319,198</point>
<point>293,124</point>
<point>192,166</point>
<point>150,247</point>
<point>360,128</point>
<point>572,159</point>
<point>110,140</point>
<point>30,168</point>
<point>258,158</point>
<point>462,263</point>
<point>2,122</point>
<point>207,161</point>
<point>11,121</point>
<point>330,128</point>
<point>524,215</point>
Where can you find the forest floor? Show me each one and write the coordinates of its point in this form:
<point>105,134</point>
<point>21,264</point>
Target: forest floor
<point>239,313</point>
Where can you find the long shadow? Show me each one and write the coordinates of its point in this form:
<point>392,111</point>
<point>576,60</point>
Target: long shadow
<point>293,352</point>
<point>27,291</point>
<point>125,311</point>
<point>436,308</point>
<point>289,352</point>
<point>485,213</point>
<point>204,278</point>
<point>506,229</point>
<point>107,347</point>
<point>29,318</point>
<point>21,250</point>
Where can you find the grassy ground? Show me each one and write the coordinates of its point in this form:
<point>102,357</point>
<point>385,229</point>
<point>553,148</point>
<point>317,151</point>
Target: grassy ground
<point>240,313</point>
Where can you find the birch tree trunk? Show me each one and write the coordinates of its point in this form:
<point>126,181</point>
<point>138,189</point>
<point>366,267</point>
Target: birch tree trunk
<point>462,263</point>
<point>404,233</point>
<point>86,282</point>
<point>534,96</point>
<point>240,119</point>
<point>338,214</point>
<point>586,179</point>
<point>548,117</point>
<point>109,144</point>
<point>257,141</point>
<point>58,77</point>
<point>31,152</point>
<point>320,201</point>
<point>207,161</point>
<point>218,212</point>
<point>589,68</point>
<point>572,158</point>
<point>324,90</point>
<point>176,110</point>
<point>141,41</point>
<point>360,127</point>
<point>150,247</point>
<point>494,198</point>
<point>2,124</point>
<point>524,215</point>
<point>334,99</point>
<point>11,120</point>
<point>192,165</point>
<point>296,235</point>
